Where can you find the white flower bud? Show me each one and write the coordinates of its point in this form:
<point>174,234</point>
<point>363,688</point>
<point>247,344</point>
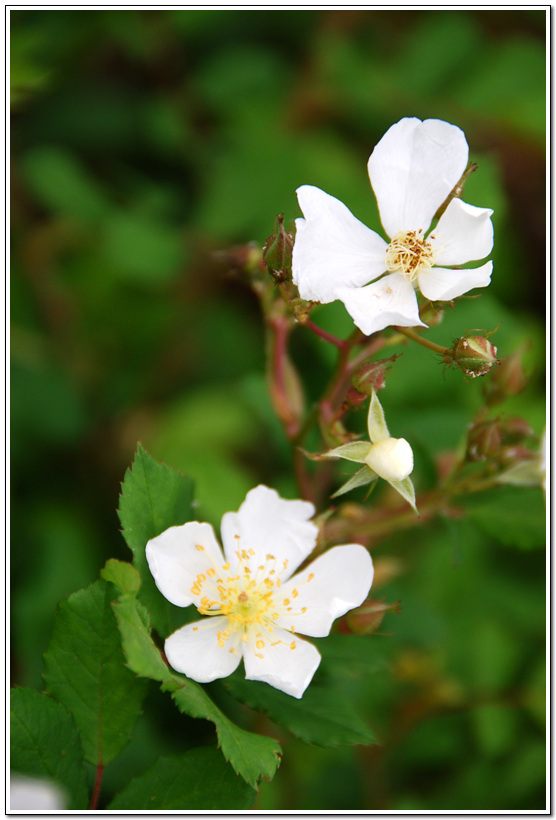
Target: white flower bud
<point>391,459</point>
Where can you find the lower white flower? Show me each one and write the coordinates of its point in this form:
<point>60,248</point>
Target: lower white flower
<point>413,169</point>
<point>257,607</point>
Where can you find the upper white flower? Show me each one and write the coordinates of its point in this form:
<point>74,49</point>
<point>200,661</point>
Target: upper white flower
<point>412,170</point>
<point>257,607</point>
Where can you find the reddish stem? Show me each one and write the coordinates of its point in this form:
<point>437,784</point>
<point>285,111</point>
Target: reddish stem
<point>339,343</point>
<point>96,790</point>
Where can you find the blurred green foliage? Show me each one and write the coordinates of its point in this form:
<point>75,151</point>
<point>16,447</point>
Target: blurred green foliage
<point>144,142</point>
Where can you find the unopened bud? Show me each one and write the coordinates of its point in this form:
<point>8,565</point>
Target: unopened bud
<point>508,380</point>
<point>515,430</point>
<point>475,355</point>
<point>372,375</point>
<point>391,459</point>
<point>367,618</point>
<point>277,251</point>
<point>484,440</point>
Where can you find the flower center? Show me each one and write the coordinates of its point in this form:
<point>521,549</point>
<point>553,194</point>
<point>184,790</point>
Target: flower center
<point>250,599</point>
<point>409,254</point>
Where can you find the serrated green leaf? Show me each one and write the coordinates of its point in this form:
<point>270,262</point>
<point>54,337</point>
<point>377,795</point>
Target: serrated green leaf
<point>252,756</point>
<point>154,497</point>
<point>324,716</point>
<point>363,476</point>
<point>84,670</point>
<point>513,516</point>
<point>198,780</point>
<point>45,743</point>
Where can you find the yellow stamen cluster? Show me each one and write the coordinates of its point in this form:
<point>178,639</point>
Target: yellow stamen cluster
<point>409,254</point>
<point>249,597</point>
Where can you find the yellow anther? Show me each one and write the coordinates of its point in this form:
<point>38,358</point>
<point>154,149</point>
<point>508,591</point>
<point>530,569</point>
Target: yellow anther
<point>260,644</point>
<point>199,547</point>
<point>292,645</point>
<point>295,593</point>
<point>211,572</point>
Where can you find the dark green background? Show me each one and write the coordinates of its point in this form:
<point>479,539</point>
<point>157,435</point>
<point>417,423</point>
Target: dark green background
<point>146,142</point>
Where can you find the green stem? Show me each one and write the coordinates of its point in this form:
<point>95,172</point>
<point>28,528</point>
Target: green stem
<point>415,337</point>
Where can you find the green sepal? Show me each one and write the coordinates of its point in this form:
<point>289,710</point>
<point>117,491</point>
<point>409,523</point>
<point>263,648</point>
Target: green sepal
<point>376,423</point>
<point>363,476</point>
<point>406,489</point>
<point>353,451</point>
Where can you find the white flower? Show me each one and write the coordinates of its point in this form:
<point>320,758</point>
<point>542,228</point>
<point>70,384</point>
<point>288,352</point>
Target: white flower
<point>412,170</point>
<point>35,794</point>
<point>257,608</point>
<point>382,456</point>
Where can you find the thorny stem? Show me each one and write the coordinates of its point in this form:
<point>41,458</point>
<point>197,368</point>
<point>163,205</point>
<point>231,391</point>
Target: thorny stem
<point>415,337</point>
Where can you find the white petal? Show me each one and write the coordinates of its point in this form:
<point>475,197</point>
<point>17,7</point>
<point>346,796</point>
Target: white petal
<point>390,301</point>
<point>391,459</point>
<point>268,524</point>
<point>413,169</point>
<point>443,283</point>
<point>341,580</point>
<point>332,247</point>
<point>195,651</point>
<point>288,669</point>
<point>175,559</point>
<point>464,233</point>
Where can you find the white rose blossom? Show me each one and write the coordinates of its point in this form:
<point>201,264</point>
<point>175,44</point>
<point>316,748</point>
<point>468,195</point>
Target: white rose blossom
<point>257,606</point>
<point>412,170</point>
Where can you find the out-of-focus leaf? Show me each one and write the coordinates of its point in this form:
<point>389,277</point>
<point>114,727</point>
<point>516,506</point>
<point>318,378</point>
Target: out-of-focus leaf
<point>198,780</point>
<point>495,728</point>
<point>45,743</point>
<point>513,516</point>
<point>141,247</point>
<point>62,184</point>
<point>84,670</point>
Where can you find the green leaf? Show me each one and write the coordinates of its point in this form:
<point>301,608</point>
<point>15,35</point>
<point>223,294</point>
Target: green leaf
<point>84,669</point>
<point>363,476</point>
<point>513,516</point>
<point>252,756</point>
<point>198,780</point>
<point>353,655</point>
<point>45,743</point>
<point>154,497</point>
<point>324,716</point>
